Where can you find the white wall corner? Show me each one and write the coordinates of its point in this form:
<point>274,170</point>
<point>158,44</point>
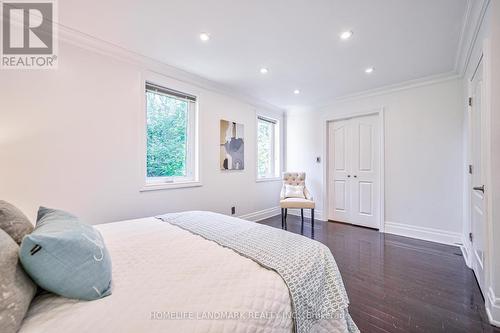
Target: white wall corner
<point>428,234</point>
<point>493,308</point>
<point>261,214</point>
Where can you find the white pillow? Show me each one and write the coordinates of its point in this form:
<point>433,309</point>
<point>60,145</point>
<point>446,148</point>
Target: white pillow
<point>294,191</point>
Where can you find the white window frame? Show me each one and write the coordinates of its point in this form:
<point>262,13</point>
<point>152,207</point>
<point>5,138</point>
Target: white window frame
<point>276,149</point>
<point>192,178</point>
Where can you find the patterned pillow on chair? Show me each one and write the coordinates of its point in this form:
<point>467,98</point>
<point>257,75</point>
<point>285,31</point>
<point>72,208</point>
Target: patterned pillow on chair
<point>294,191</point>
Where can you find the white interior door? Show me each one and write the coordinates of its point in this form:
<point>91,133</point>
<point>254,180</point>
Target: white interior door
<point>340,191</point>
<point>478,220</point>
<point>354,164</point>
<point>365,165</point>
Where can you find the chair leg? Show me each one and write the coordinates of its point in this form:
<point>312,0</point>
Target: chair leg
<point>302,224</point>
<point>282,218</point>
<point>286,214</point>
<point>312,223</point>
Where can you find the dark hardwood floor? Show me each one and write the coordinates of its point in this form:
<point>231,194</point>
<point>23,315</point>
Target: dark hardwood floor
<point>400,284</point>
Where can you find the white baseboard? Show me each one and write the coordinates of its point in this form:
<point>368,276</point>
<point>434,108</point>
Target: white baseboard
<point>493,308</point>
<point>261,214</point>
<point>428,234</point>
<point>318,214</point>
<point>273,211</point>
<point>466,253</point>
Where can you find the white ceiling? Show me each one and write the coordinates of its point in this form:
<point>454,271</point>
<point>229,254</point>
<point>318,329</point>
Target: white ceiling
<point>297,40</point>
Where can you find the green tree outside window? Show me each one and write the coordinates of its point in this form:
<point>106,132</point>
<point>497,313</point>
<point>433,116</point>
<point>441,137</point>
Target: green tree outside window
<point>167,130</point>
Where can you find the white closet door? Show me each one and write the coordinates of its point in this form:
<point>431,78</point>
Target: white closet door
<point>478,199</point>
<point>354,164</point>
<point>365,164</point>
<point>339,143</point>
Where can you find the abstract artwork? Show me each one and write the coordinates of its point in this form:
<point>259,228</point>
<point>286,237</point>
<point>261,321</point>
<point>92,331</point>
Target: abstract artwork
<point>232,146</point>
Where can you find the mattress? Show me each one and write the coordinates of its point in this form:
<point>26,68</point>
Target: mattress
<point>166,279</point>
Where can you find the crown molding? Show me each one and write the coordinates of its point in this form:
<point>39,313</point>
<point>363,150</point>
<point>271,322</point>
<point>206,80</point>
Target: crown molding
<point>93,44</point>
<point>405,85</point>
<point>474,18</point>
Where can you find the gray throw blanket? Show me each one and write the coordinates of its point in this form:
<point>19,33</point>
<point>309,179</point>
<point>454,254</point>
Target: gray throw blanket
<point>316,288</point>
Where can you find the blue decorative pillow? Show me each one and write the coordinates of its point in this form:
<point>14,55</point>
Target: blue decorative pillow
<point>66,256</point>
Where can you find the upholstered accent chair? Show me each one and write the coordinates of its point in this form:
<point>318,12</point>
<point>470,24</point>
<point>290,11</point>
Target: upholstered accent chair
<point>296,179</point>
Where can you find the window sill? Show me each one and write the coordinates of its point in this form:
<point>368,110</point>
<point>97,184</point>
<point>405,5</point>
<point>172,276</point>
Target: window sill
<point>264,180</point>
<point>169,186</point>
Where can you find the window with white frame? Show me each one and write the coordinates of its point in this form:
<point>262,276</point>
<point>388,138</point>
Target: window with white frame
<point>171,131</point>
<point>267,148</point>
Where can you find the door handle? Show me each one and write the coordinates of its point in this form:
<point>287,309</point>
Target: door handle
<point>479,188</point>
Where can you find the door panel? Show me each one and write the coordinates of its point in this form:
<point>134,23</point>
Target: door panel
<point>478,219</point>
<point>339,188</point>
<point>366,198</point>
<point>354,159</point>
<point>365,147</point>
<point>365,170</point>
<point>340,148</point>
<point>340,196</point>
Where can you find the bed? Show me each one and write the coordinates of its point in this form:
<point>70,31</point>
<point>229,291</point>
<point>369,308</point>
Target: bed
<point>168,279</point>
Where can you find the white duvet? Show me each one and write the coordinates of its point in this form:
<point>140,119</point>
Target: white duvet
<point>166,279</point>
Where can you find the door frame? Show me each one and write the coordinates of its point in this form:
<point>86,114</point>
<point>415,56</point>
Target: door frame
<point>326,153</point>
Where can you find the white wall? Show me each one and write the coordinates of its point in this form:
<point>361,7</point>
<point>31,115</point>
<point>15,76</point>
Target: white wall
<point>71,138</point>
<point>423,152</point>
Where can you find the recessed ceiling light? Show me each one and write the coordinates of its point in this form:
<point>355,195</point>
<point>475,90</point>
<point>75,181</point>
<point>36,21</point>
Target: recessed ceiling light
<point>369,70</point>
<point>345,35</point>
<point>205,36</point>
<point>264,70</point>
<point>296,91</point>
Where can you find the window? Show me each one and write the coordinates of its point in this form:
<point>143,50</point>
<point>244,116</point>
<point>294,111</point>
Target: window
<point>267,148</point>
<point>171,130</point>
